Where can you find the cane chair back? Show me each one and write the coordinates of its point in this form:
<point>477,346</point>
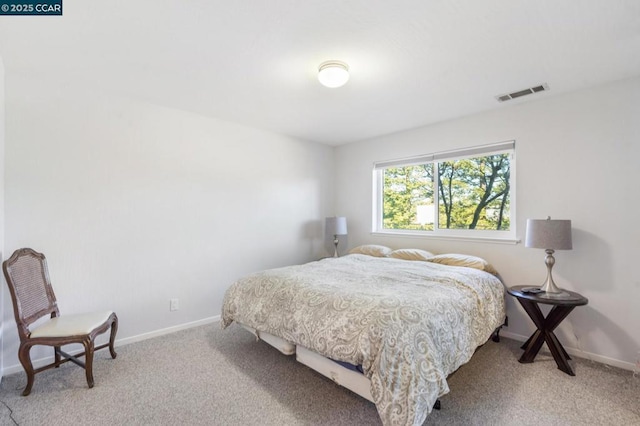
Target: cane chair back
<point>30,288</point>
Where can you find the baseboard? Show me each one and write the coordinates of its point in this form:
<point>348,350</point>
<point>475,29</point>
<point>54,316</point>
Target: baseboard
<point>579,353</point>
<point>168,330</point>
<point>16,368</point>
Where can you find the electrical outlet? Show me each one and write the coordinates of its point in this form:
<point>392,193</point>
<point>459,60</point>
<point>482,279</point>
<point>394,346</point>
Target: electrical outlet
<point>173,305</point>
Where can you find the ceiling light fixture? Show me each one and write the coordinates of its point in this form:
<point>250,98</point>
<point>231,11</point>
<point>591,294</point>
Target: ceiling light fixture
<point>333,73</point>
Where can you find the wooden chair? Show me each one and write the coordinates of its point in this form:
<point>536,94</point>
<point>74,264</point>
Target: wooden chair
<point>33,298</point>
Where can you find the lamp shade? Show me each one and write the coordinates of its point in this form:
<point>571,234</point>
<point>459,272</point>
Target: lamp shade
<point>336,225</point>
<point>548,234</point>
<point>333,74</point>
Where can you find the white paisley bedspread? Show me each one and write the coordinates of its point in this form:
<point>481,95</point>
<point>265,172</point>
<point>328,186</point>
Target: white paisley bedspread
<point>408,323</point>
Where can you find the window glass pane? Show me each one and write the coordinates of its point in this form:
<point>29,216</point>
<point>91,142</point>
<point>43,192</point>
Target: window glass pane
<point>474,193</point>
<point>464,193</point>
<point>408,198</point>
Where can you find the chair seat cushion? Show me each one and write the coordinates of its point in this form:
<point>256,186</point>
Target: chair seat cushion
<point>71,325</point>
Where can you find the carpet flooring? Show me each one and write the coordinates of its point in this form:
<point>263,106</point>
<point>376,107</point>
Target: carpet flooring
<point>208,376</point>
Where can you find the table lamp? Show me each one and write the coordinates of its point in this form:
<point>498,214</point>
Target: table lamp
<point>549,235</point>
<point>336,226</point>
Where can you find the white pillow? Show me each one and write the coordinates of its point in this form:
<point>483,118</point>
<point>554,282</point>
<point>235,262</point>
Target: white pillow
<point>411,254</point>
<point>456,259</point>
<point>371,250</point>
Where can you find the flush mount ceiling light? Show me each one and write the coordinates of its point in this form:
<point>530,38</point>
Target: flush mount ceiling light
<point>333,73</point>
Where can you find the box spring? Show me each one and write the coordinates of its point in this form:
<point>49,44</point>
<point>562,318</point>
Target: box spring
<point>354,381</point>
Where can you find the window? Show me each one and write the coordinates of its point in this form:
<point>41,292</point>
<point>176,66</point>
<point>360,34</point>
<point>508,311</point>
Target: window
<point>467,193</point>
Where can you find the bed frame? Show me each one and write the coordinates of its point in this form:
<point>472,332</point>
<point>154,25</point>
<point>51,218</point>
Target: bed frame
<point>354,381</point>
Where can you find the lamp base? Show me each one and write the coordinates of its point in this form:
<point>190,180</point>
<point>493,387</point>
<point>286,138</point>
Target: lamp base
<point>551,291</point>
<point>549,288</point>
<point>549,295</point>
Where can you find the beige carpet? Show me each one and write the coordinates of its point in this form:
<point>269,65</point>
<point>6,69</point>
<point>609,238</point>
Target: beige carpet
<point>206,376</point>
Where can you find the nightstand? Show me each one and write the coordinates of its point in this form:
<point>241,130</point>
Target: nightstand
<point>546,325</point>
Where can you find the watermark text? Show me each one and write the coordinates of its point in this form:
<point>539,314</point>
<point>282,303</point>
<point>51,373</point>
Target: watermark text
<point>31,7</point>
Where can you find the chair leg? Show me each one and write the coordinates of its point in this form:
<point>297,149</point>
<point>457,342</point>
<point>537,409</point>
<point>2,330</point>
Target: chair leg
<point>112,339</point>
<point>25,360</point>
<point>56,355</point>
<point>88,360</point>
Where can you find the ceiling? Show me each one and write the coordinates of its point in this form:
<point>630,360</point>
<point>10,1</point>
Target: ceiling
<point>412,63</point>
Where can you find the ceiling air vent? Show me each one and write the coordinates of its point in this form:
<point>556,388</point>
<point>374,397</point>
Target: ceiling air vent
<point>530,91</point>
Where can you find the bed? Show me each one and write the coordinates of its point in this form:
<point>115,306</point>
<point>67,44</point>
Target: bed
<point>406,324</point>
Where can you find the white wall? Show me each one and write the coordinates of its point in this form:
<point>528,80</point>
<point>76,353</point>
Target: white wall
<point>134,204</point>
<point>577,157</point>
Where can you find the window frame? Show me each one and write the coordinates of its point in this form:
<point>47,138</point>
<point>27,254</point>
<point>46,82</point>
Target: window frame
<point>509,237</point>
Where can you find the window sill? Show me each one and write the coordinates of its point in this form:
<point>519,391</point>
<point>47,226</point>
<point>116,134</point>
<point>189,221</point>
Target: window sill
<point>492,240</point>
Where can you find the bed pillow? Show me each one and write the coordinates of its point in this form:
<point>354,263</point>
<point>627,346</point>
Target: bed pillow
<point>455,259</point>
<point>411,254</point>
<point>371,250</point>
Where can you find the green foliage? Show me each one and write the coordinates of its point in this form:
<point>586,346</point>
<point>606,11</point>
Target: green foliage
<point>405,188</point>
<point>473,193</point>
